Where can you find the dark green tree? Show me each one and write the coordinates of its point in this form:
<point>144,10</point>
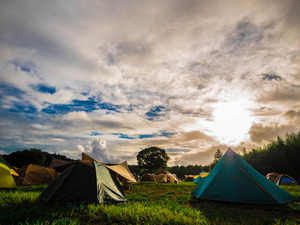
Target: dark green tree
<point>25,157</point>
<point>279,155</point>
<point>218,155</point>
<point>31,156</point>
<point>152,158</point>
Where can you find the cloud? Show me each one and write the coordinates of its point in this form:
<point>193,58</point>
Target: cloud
<point>138,74</point>
<point>97,149</point>
<point>204,157</point>
<point>76,115</point>
<point>260,133</point>
<point>2,152</point>
<point>293,115</point>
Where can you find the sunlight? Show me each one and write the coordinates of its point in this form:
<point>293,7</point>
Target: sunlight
<point>232,122</point>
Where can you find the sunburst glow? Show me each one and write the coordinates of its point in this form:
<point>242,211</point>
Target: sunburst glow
<point>232,122</point>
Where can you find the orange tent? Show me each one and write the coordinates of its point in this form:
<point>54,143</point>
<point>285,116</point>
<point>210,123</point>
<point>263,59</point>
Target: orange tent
<point>35,175</point>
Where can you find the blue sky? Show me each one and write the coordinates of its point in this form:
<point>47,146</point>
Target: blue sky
<point>110,78</point>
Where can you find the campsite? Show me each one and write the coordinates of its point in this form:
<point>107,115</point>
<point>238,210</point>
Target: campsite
<point>149,112</point>
<point>90,192</point>
<point>148,203</point>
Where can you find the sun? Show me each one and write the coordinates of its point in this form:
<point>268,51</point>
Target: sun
<point>231,122</point>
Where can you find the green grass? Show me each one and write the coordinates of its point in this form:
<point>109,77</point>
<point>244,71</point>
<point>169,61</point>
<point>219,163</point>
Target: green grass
<point>148,203</point>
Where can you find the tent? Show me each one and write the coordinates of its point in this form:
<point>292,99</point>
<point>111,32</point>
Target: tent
<point>13,172</point>
<point>148,177</point>
<point>285,179</point>
<point>160,171</point>
<point>35,175</point>
<point>272,176</point>
<point>189,178</point>
<point>6,178</point>
<point>234,180</point>
<point>197,180</point>
<point>121,169</point>
<point>203,174</point>
<point>166,178</point>
<point>84,182</point>
<point>200,177</point>
<point>60,165</point>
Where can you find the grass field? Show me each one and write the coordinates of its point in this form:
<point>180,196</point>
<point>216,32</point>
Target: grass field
<point>148,203</point>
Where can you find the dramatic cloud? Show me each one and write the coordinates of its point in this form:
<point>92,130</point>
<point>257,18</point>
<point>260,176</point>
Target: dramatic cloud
<point>98,150</point>
<point>120,76</point>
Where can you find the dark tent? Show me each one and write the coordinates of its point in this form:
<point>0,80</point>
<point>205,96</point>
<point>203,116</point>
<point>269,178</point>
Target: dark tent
<point>60,165</point>
<point>148,177</point>
<point>84,182</point>
<point>233,179</point>
<point>189,178</point>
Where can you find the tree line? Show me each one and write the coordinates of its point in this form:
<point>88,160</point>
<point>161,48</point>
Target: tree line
<point>280,156</point>
<point>32,156</point>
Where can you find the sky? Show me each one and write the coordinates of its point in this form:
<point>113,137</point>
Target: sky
<point>110,78</point>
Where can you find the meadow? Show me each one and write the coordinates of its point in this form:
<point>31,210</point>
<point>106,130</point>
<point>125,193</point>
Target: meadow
<point>148,203</point>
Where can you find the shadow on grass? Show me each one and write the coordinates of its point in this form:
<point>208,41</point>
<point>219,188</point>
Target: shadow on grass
<point>246,213</point>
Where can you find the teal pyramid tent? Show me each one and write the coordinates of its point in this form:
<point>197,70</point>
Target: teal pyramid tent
<point>84,182</point>
<point>234,180</point>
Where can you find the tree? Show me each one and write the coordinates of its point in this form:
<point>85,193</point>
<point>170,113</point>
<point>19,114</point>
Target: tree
<point>31,156</point>
<point>218,155</point>
<point>279,155</point>
<point>152,158</point>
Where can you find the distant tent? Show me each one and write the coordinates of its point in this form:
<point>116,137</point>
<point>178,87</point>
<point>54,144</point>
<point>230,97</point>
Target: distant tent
<point>121,169</point>
<point>160,171</point>
<point>200,177</point>
<point>35,175</point>
<point>148,177</point>
<point>203,174</point>
<point>84,182</point>
<point>272,176</point>
<point>232,179</point>
<point>166,178</point>
<point>60,165</point>
<point>285,179</point>
<point>189,178</point>
<point>6,178</point>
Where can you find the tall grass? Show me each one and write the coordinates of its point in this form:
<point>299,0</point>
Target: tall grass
<point>148,203</point>
<point>161,212</point>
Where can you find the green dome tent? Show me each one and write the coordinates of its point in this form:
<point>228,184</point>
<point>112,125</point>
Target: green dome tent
<point>234,180</point>
<point>84,182</point>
